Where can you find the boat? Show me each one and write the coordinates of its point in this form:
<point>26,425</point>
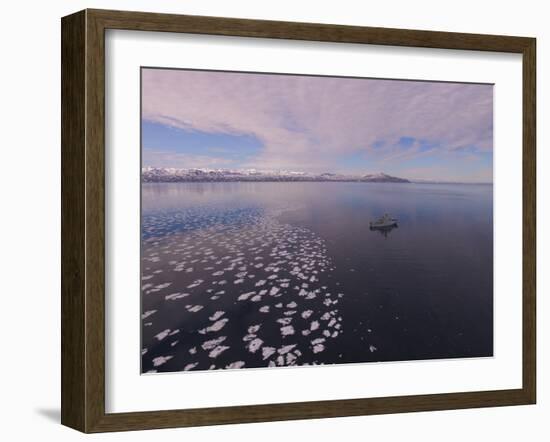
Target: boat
<point>383,222</point>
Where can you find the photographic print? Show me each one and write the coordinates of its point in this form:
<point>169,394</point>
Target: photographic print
<point>294,220</point>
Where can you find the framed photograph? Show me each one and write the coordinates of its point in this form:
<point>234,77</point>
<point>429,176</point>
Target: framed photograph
<point>269,220</point>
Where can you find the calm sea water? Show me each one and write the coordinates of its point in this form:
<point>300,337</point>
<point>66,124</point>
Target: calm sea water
<point>239,275</point>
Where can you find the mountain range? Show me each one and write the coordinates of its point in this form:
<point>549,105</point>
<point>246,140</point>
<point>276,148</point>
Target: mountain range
<point>174,175</point>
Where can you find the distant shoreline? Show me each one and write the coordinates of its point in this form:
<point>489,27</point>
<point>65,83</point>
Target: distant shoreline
<point>241,180</point>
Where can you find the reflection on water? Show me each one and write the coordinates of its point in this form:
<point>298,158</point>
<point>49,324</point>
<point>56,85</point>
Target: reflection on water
<point>276,274</point>
<point>384,231</point>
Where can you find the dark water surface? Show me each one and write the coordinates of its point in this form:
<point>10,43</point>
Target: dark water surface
<point>276,274</point>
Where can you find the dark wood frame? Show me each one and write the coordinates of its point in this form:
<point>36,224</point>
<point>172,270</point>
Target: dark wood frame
<point>83,220</point>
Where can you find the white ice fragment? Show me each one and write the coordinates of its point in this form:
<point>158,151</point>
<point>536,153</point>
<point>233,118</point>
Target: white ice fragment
<point>254,328</point>
<point>306,314</point>
<point>318,348</point>
<point>217,351</point>
<point>175,296</point>
<point>236,364</point>
<point>217,315</point>
<point>212,343</point>
<point>161,360</point>
<point>148,313</point>
<point>314,325</point>
<point>255,345</point>
<point>286,349</point>
<point>267,352</point>
<point>217,326</point>
<point>287,330</point>
<point>162,334</point>
<point>245,296</point>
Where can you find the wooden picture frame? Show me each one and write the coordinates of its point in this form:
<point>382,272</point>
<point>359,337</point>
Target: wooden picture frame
<point>83,220</point>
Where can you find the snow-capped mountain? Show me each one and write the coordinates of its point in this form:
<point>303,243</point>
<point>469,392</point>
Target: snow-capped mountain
<point>383,178</point>
<point>173,175</point>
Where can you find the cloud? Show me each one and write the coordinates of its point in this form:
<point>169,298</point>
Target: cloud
<point>160,158</point>
<point>309,122</point>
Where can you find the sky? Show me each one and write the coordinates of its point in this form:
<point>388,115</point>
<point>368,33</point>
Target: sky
<point>412,129</point>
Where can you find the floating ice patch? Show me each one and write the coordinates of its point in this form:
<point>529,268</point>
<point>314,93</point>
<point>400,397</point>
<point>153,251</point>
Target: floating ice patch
<point>217,351</point>
<point>217,326</point>
<point>286,349</point>
<point>254,345</point>
<point>287,330</point>
<point>190,366</point>
<point>217,315</point>
<point>175,296</point>
<point>212,343</point>
<point>162,334</point>
<point>195,284</point>
<point>245,296</point>
<point>372,348</point>
<point>160,360</point>
<point>267,352</point>
<point>254,328</point>
<point>264,309</point>
<point>148,313</point>
<point>318,348</point>
<point>236,364</point>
